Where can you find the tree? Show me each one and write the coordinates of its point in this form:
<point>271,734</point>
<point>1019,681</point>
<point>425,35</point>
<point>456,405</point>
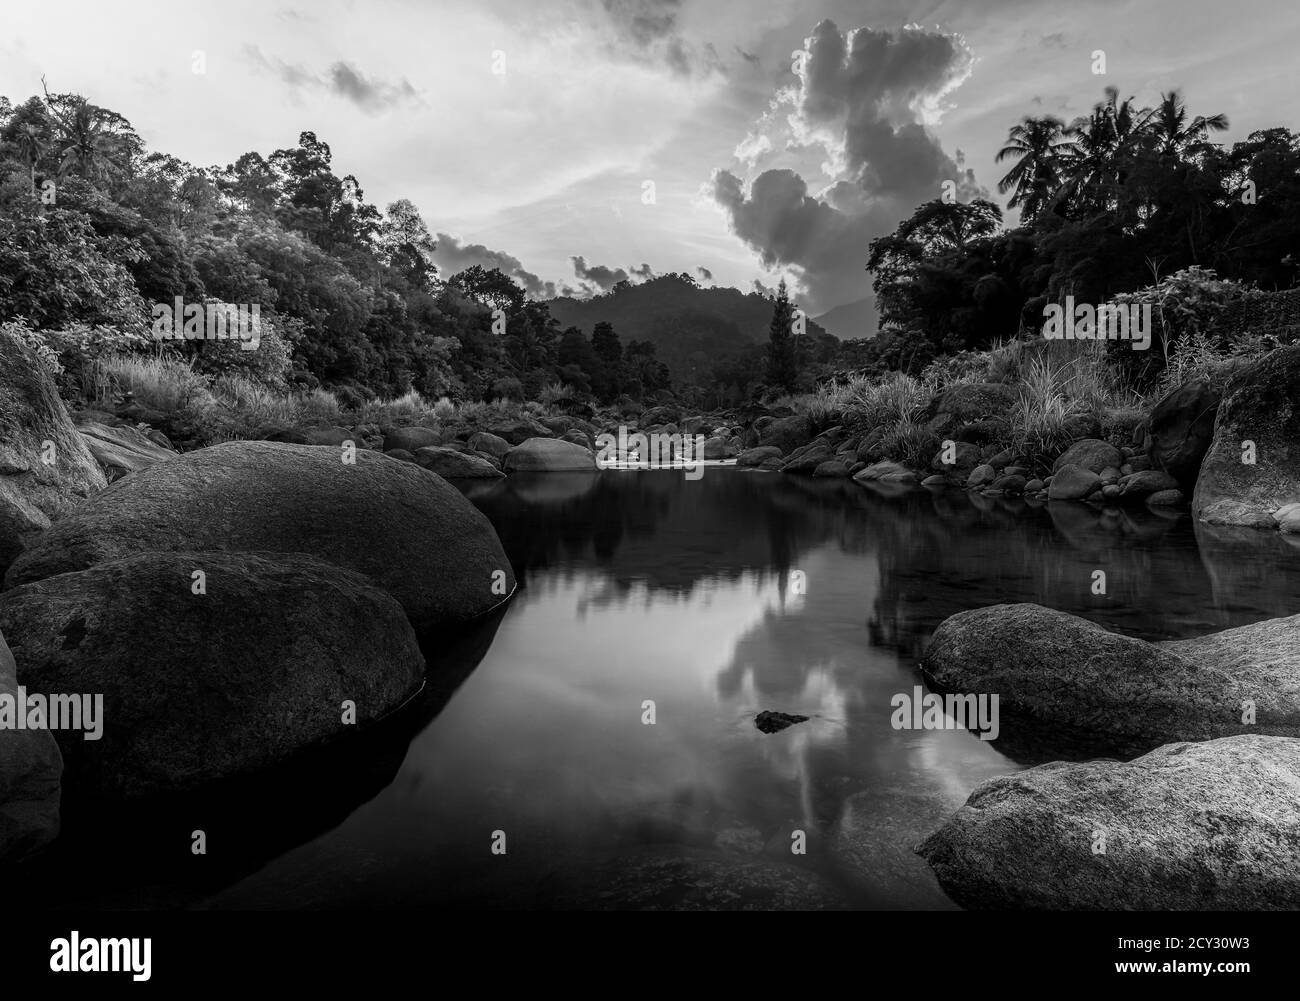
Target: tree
<point>607,379</point>
<point>1041,148</point>
<point>28,132</point>
<point>1173,134</point>
<point>405,244</point>
<point>782,369</point>
<point>89,141</point>
<point>493,288</point>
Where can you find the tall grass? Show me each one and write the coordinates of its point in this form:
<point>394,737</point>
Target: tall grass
<point>166,384</point>
<point>1057,392</point>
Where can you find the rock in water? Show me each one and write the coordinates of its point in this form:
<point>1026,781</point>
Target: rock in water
<point>407,529</point>
<point>201,687</point>
<point>548,455</point>
<point>453,465</point>
<point>1262,407</point>
<point>772,722</point>
<point>1207,826</point>
<point>1069,685</point>
<point>1090,454</point>
<point>1073,482</point>
<point>30,766</point>
<point>38,482</point>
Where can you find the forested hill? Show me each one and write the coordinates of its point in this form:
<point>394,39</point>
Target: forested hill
<point>690,327</point>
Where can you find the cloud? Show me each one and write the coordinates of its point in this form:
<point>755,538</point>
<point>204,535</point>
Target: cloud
<point>704,273</point>
<point>644,272</point>
<point>342,79</point>
<point>452,257</point>
<point>650,31</point>
<point>865,100</point>
<point>598,275</point>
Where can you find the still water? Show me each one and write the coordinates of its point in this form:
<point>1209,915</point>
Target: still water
<point>645,591</point>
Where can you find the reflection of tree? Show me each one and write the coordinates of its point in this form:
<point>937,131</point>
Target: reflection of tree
<point>655,528</point>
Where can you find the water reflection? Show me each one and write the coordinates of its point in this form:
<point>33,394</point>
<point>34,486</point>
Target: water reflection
<point>644,591</point>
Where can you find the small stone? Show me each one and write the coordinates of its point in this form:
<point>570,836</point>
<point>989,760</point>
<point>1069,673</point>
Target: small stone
<point>773,722</point>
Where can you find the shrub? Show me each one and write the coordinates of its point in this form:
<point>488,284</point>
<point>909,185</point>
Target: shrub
<point>508,388</point>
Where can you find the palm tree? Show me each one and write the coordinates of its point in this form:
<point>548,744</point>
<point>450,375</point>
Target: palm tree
<point>1108,140</point>
<point>89,140</point>
<point>1040,146</point>
<point>1171,132</point>
<point>87,145</point>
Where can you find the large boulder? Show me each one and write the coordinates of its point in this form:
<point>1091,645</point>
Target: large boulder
<point>718,447</point>
<point>1207,826</point>
<point>1180,431</point>
<point>1091,454</point>
<point>1140,486</point>
<point>122,449</point>
<point>806,459</point>
<point>832,468</point>
<point>1067,685</point>
<point>757,456</point>
<point>451,464</point>
<point>200,687</point>
<point>519,431</point>
<point>666,414</point>
<point>548,455</point>
<point>30,767</point>
<point>886,472</point>
<point>408,530</point>
<point>409,439</point>
<point>1261,405</point>
<point>787,433</point>
<point>485,441</point>
<point>45,467</point>
<point>1073,483</point>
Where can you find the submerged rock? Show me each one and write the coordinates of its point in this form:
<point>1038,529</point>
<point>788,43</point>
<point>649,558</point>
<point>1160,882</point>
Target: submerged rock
<point>408,530</point>
<point>1207,826</point>
<point>773,722</point>
<point>200,687</point>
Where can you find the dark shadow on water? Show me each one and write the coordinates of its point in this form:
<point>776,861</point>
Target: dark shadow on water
<point>139,855</point>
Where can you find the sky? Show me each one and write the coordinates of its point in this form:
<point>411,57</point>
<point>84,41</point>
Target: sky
<point>573,143</point>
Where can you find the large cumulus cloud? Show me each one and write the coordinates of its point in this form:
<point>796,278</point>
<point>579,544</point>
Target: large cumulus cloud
<point>865,101</point>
